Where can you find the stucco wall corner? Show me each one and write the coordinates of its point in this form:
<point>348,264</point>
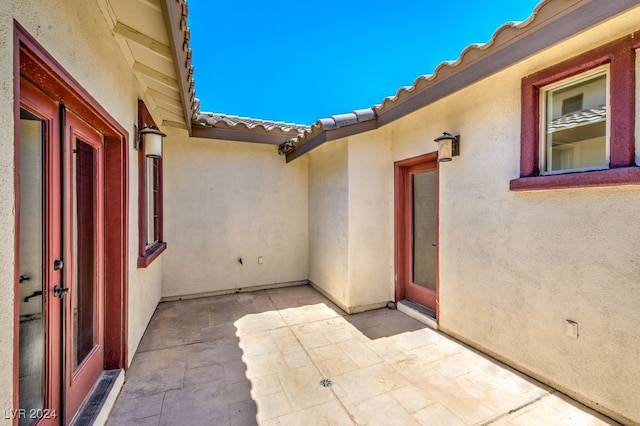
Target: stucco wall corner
<point>225,201</point>
<point>370,249</point>
<point>7,212</point>
<point>329,220</point>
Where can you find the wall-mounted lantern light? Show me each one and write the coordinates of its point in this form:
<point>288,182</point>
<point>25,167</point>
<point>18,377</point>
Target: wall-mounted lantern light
<point>152,141</point>
<point>448,146</point>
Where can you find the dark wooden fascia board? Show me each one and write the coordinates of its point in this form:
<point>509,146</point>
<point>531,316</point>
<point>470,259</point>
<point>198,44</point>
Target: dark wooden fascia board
<point>331,135</point>
<point>172,12</point>
<point>542,37</point>
<point>352,129</point>
<point>314,142</point>
<point>239,135</point>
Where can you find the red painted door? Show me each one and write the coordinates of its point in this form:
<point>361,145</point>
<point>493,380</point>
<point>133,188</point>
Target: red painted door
<point>39,219</point>
<point>60,260</point>
<point>84,247</point>
<point>417,230</point>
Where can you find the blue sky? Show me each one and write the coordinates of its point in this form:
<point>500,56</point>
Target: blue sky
<point>301,60</point>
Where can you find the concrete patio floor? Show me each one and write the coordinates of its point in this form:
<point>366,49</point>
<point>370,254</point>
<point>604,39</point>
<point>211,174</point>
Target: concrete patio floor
<point>260,357</point>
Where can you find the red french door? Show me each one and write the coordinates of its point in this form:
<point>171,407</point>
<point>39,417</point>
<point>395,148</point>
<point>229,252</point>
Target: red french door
<point>417,230</point>
<point>84,245</point>
<point>60,259</point>
<point>39,254</point>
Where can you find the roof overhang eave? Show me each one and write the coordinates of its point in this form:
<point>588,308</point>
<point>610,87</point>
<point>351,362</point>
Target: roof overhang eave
<point>327,135</point>
<point>175,16</point>
<point>241,134</point>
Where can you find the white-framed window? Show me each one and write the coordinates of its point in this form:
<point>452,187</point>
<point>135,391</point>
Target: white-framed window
<point>575,123</point>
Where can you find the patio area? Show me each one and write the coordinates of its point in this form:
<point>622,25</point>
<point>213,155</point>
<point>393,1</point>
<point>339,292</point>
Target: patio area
<point>262,357</point>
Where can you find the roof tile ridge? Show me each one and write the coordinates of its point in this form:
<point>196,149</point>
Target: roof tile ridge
<point>470,52</point>
<point>248,123</point>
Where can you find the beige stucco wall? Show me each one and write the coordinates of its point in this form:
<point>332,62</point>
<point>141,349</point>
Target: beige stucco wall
<point>75,33</point>
<point>351,221</point>
<point>513,266</point>
<point>329,221</point>
<point>351,213</point>
<point>7,218</point>
<point>229,200</point>
<point>371,243</point>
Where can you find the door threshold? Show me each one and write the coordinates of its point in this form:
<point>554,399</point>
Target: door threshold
<point>418,312</point>
<point>98,404</point>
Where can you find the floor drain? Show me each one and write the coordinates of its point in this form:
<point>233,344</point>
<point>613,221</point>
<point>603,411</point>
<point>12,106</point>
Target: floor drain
<point>326,383</point>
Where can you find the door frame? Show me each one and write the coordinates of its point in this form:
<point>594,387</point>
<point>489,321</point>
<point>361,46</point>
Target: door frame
<point>402,217</point>
<point>36,65</point>
<point>38,103</point>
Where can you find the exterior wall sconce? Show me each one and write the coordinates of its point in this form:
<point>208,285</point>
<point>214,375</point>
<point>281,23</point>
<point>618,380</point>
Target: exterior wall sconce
<point>152,141</point>
<point>448,146</point>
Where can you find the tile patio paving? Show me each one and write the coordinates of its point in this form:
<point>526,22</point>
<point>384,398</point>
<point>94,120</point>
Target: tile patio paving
<point>259,358</point>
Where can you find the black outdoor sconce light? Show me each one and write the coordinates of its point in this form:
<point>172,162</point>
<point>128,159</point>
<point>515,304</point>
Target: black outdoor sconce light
<point>152,141</point>
<point>448,146</point>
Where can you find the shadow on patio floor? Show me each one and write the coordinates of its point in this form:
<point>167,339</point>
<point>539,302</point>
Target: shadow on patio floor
<point>260,357</point>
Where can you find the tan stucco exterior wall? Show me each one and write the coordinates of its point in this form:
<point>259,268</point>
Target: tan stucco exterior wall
<point>329,221</point>
<point>513,267</point>
<point>371,244</point>
<point>351,221</point>
<point>229,200</point>
<point>351,213</point>
<point>7,215</point>
<point>76,34</point>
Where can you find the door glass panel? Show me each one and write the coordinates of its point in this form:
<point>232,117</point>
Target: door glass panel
<point>424,229</point>
<point>31,363</point>
<point>84,243</point>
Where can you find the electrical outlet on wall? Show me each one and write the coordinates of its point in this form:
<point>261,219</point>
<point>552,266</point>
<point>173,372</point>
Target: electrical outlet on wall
<point>260,260</point>
<point>571,329</point>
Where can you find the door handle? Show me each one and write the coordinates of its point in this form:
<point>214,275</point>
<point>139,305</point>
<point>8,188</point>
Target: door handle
<point>59,292</point>
<point>34,294</point>
<point>24,277</point>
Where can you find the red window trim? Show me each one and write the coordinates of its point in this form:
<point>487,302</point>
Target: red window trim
<point>147,254</point>
<point>620,56</point>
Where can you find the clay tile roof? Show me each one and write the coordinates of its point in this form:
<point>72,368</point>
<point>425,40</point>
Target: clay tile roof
<point>245,129</point>
<point>330,123</point>
<point>340,120</point>
<point>471,53</point>
<point>208,119</point>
